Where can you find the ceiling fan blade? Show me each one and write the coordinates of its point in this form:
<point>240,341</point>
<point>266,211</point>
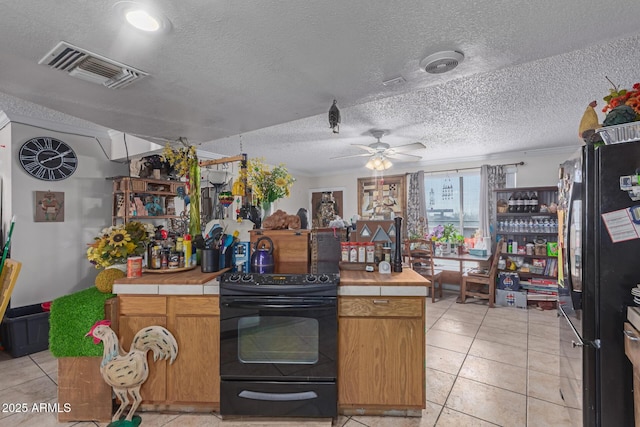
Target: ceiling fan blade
<point>407,147</point>
<point>403,156</point>
<point>352,155</point>
<point>368,148</point>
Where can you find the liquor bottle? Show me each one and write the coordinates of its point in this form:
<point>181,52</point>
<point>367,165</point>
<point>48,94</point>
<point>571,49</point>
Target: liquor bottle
<point>511,204</point>
<point>526,207</point>
<point>519,203</point>
<point>534,203</point>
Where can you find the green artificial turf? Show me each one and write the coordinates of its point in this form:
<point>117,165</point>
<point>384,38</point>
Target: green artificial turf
<point>71,317</point>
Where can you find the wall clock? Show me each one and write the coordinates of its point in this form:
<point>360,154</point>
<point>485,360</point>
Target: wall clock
<point>48,159</point>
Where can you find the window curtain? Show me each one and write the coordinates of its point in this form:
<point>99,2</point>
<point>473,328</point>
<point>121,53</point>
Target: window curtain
<point>491,179</point>
<point>417,225</point>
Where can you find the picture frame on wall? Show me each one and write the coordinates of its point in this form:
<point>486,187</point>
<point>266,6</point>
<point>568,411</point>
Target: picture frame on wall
<point>382,197</point>
<point>316,196</point>
<point>49,206</point>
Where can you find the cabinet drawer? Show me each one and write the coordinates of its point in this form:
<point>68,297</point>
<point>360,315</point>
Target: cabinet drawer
<point>193,305</point>
<point>136,306</point>
<point>380,307</point>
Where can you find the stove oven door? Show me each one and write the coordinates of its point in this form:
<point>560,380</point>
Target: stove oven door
<point>278,356</point>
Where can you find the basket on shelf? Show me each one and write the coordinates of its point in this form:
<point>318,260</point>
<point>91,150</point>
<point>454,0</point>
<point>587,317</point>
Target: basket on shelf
<point>502,206</point>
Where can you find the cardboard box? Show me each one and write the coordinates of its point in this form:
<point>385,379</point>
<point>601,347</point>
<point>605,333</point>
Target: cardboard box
<point>508,281</point>
<point>507,298</point>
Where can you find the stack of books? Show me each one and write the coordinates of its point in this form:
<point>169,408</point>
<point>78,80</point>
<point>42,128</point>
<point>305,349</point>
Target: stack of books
<point>541,289</point>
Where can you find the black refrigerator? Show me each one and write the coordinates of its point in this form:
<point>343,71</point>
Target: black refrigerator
<point>600,251</point>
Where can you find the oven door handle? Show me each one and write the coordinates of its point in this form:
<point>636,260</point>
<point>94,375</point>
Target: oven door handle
<point>252,303</point>
<point>277,397</point>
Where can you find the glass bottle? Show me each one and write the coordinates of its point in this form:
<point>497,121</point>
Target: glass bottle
<point>511,204</point>
<point>534,203</point>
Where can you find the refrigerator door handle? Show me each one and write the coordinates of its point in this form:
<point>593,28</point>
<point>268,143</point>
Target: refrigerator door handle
<point>631,335</point>
<point>579,341</point>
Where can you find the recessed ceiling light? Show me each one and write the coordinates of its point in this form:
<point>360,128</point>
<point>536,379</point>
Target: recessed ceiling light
<point>143,17</point>
<point>142,20</point>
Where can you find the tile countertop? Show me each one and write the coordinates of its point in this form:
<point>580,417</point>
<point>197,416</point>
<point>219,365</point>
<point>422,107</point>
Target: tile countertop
<point>194,282</point>
<point>363,283</point>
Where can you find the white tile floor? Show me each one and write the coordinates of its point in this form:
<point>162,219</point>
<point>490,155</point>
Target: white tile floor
<point>485,367</point>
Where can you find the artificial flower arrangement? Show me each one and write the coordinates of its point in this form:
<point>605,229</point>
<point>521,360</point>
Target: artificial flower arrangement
<point>185,163</point>
<point>268,185</point>
<point>445,233</point>
<point>114,244</point>
<point>180,158</point>
<point>623,106</point>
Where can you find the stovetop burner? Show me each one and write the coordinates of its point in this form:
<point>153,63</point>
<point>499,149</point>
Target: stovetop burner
<point>279,279</point>
<point>325,284</point>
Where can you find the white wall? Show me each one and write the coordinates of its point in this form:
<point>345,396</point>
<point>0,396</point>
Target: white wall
<point>54,254</point>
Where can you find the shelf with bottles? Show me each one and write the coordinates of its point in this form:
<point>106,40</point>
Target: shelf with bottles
<point>528,226</point>
<point>527,200</point>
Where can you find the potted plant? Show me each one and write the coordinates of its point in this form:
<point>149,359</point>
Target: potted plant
<point>447,238</point>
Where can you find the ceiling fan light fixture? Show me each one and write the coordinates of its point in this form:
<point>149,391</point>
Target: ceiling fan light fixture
<point>441,62</point>
<point>378,163</point>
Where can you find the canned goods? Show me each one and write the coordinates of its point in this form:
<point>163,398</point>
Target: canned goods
<point>362,252</point>
<point>174,260</point>
<point>353,252</point>
<point>344,246</point>
<point>370,252</point>
<point>164,258</point>
<point>134,267</point>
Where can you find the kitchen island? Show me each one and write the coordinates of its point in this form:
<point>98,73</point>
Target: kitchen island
<point>381,343</point>
<point>381,340</point>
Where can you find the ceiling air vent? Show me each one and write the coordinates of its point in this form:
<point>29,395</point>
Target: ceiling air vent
<point>92,67</point>
<point>441,62</point>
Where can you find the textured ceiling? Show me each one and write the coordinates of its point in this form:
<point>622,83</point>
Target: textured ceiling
<point>262,76</point>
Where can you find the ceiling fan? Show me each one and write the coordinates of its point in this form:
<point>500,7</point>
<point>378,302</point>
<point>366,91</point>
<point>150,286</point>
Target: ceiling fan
<point>380,152</point>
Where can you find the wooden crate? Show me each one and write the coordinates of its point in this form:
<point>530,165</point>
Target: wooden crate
<point>82,387</point>
<point>291,249</point>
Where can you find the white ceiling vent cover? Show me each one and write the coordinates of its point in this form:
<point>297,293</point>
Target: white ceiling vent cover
<point>92,67</point>
<point>441,62</point>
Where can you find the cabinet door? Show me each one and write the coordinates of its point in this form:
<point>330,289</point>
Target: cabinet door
<point>381,359</point>
<point>137,312</point>
<point>154,389</point>
<point>195,375</point>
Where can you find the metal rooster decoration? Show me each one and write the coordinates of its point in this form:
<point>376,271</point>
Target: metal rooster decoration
<point>126,372</point>
<point>334,117</point>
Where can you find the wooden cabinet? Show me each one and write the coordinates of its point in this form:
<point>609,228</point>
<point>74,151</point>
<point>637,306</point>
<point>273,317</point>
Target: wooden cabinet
<point>381,354</point>
<point>193,380</point>
<point>290,249</point>
<point>139,198</point>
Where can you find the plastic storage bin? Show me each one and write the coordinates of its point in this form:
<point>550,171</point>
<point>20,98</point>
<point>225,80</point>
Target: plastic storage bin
<point>25,330</point>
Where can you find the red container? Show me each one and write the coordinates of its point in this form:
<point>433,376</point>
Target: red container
<point>134,267</point>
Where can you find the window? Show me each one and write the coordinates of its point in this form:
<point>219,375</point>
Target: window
<point>454,199</point>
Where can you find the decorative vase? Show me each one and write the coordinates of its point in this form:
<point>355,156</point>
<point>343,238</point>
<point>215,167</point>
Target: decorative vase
<point>446,248</point>
<point>267,210</point>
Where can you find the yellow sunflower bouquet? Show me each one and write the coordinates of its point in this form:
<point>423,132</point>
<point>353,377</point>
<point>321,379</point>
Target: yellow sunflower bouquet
<point>114,244</point>
<point>268,185</point>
